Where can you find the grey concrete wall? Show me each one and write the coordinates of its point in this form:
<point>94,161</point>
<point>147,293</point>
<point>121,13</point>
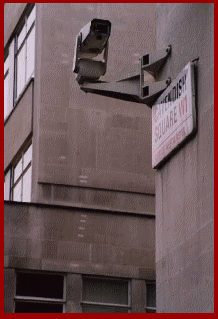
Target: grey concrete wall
<point>184,185</point>
<point>74,293</point>
<point>79,134</point>
<point>138,293</point>
<point>79,241</point>
<point>75,134</point>
<point>97,198</point>
<point>12,14</point>
<point>18,126</point>
<point>9,289</point>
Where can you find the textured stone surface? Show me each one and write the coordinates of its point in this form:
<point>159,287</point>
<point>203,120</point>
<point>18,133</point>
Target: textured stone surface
<point>184,185</point>
<point>108,141</point>
<point>74,293</point>
<point>9,290</point>
<point>12,13</point>
<point>80,241</point>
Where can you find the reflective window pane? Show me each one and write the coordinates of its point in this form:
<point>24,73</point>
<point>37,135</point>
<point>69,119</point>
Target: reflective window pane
<point>40,285</point>
<point>17,192</point>
<point>151,295</point>
<point>21,36</point>
<point>27,178</point>
<point>17,170</point>
<point>6,65</point>
<point>105,291</point>
<point>31,18</point>
<point>27,157</point>
<point>96,309</point>
<point>6,97</point>
<point>30,54</point>
<point>21,70</point>
<point>150,311</point>
<point>7,185</point>
<point>37,307</point>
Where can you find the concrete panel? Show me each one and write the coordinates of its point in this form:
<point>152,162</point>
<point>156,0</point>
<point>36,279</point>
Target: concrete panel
<point>74,293</point>
<point>184,185</point>
<point>9,290</point>
<point>77,240</point>
<point>19,126</point>
<point>184,292</point>
<point>106,140</point>
<point>97,198</point>
<point>138,290</point>
<point>12,13</point>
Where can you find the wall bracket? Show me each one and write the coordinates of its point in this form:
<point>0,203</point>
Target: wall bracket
<point>133,88</point>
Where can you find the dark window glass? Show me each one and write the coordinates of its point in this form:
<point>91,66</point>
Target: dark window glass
<point>151,295</point>
<point>151,311</point>
<point>40,285</point>
<point>101,309</point>
<point>37,307</point>
<point>105,291</point>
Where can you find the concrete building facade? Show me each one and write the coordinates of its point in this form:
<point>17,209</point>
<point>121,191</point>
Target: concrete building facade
<point>184,184</point>
<point>80,192</point>
<point>81,209</point>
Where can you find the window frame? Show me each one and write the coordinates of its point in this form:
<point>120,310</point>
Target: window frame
<point>22,23</point>
<point>103,304</point>
<point>41,299</point>
<point>6,75</point>
<point>7,190</point>
<point>11,51</point>
<point>148,307</point>
<point>11,171</point>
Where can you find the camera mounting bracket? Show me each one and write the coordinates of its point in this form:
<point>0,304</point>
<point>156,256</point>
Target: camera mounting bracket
<point>133,88</point>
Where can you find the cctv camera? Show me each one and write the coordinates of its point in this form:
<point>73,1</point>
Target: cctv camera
<point>94,36</point>
<point>91,41</point>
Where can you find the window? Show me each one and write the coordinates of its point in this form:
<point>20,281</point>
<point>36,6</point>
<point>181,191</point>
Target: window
<point>40,293</point>
<point>105,295</point>
<point>25,51</point>
<point>8,79</point>
<point>18,179</point>
<point>151,297</point>
<point>7,185</point>
<point>19,60</point>
<point>6,87</point>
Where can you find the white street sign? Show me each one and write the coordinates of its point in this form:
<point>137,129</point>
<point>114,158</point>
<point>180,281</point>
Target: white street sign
<point>173,116</point>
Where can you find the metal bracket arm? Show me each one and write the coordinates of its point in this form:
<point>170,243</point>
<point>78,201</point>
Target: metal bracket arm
<point>128,90</point>
<point>153,62</point>
<point>131,88</point>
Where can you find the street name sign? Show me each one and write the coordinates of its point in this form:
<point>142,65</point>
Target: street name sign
<point>173,116</point>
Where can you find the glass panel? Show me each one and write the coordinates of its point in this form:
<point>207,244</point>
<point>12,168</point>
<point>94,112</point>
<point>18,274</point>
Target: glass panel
<point>150,311</point>
<point>37,307</point>
<point>17,192</point>
<point>96,309</point>
<point>27,157</point>
<point>105,291</point>
<point>27,185</point>
<point>30,54</point>
<point>31,18</point>
<point>21,65</point>
<point>151,295</point>
<point>18,170</point>
<point>40,285</point>
<point>6,96</point>
<point>7,185</point>
<point>6,65</point>
<point>21,36</point>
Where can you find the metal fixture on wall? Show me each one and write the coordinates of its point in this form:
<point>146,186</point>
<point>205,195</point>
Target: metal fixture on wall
<point>91,42</point>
